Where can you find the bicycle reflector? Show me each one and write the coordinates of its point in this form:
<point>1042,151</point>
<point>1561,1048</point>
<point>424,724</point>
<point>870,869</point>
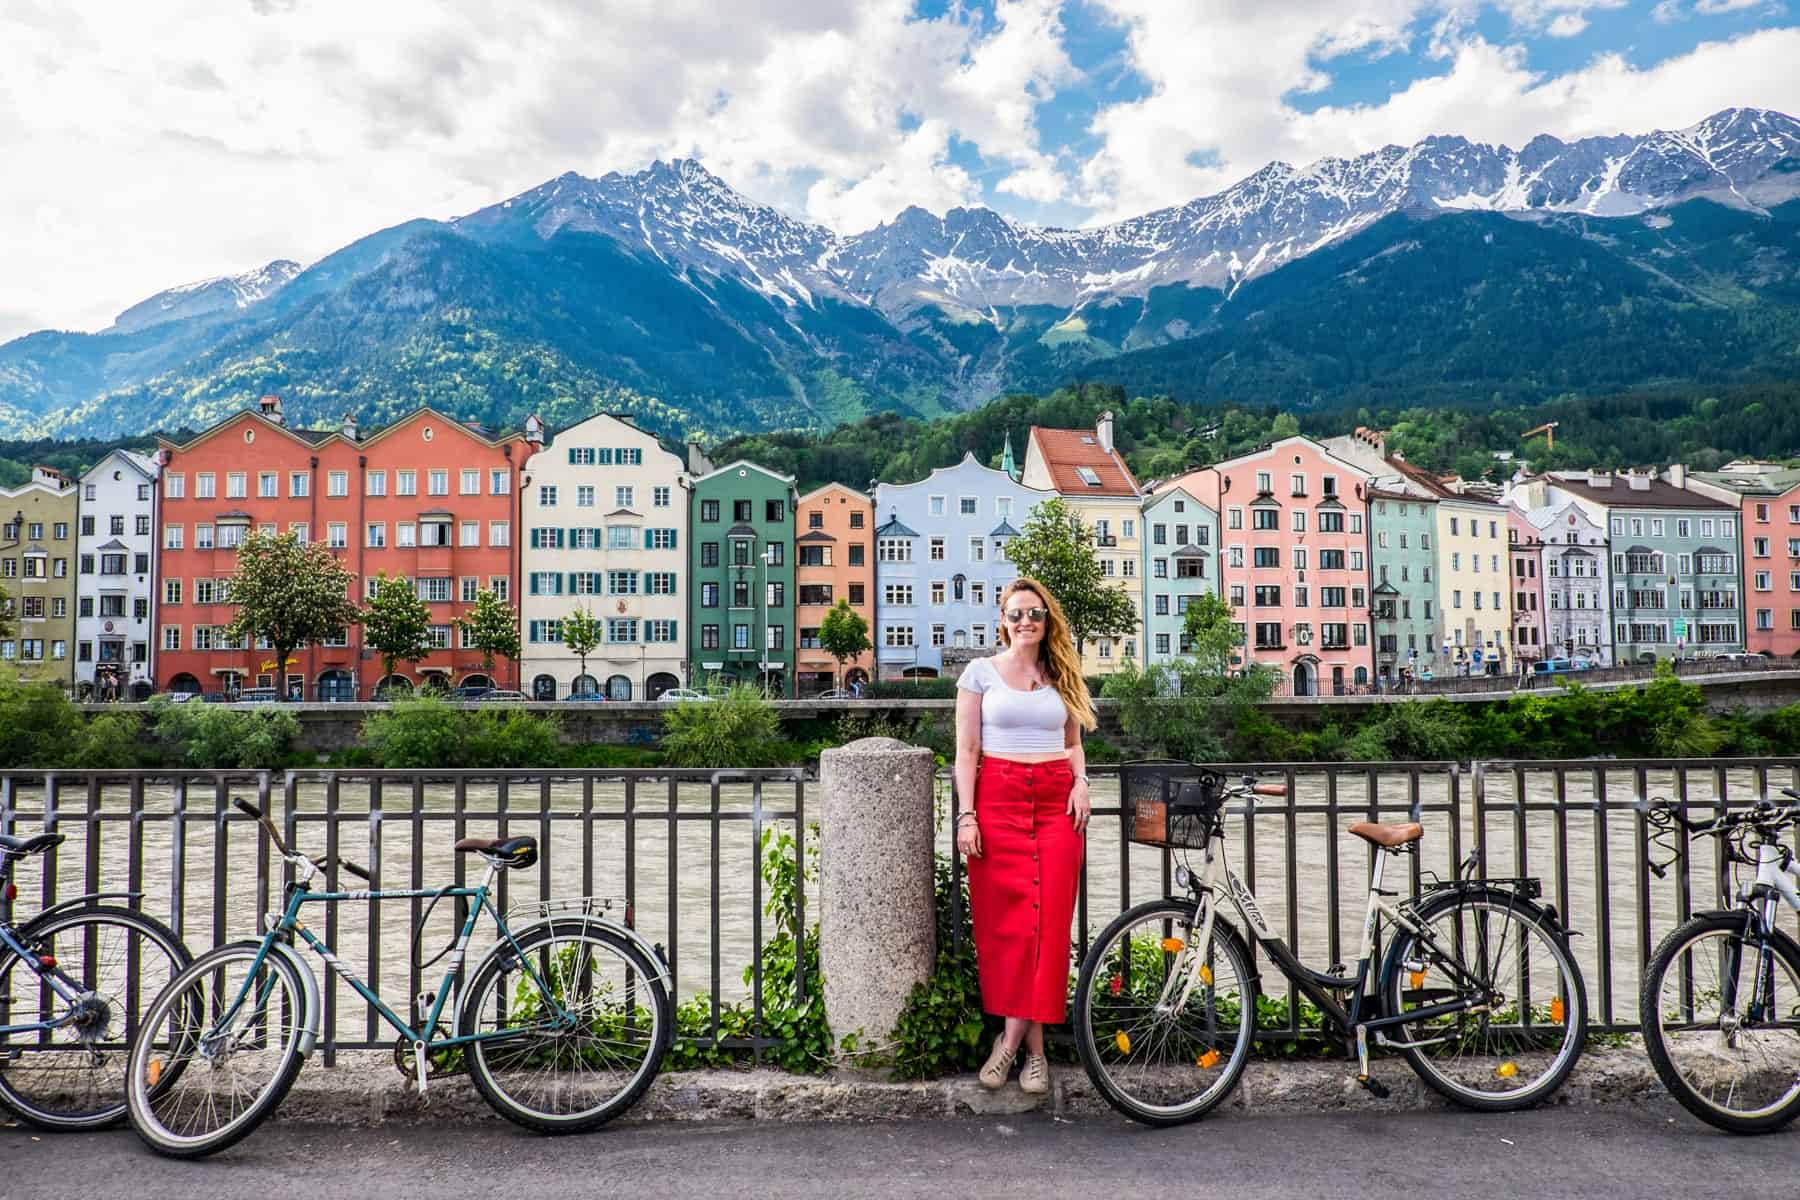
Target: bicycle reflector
<point>12,892</point>
<point>1173,945</point>
<point>1122,1041</point>
<point>1207,1061</point>
<point>1507,1069</point>
<point>1206,974</point>
<point>153,1072</point>
<point>1558,1010</point>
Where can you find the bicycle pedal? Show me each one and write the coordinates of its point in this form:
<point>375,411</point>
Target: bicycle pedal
<point>1374,1086</point>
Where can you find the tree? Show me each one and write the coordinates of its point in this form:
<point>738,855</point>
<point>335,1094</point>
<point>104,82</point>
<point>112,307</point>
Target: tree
<point>1057,550</point>
<point>6,614</point>
<point>581,632</point>
<point>291,593</point>
<point>491,627</point>
<point>1210,633</point>
<point>844,634</point>
<point>396,624</point>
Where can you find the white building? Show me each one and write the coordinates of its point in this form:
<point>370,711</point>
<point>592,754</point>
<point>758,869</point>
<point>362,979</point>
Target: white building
<point>605,515</point>
<point>115,576</point>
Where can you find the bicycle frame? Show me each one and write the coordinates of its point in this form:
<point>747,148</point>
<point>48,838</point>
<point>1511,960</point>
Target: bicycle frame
<point>1320,987</point>
<point>425,1038</point>
<point>50,975</point>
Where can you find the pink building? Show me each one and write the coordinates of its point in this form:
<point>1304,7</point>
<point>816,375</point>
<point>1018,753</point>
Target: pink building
<point>1526,546</point>
<point>1769,498</point>
<point>1293,548</point>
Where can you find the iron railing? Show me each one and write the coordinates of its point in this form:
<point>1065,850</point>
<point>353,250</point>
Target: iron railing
<point>679,850</point>
<point>1573,823</point>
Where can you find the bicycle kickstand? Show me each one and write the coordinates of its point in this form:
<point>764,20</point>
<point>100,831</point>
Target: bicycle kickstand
<point>1375,1087</point>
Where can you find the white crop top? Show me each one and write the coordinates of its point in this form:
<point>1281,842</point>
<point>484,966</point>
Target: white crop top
<point>1012,721</point>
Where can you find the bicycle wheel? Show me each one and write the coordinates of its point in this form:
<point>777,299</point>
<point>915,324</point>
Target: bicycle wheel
<point>1521,1049</point>
<point>1154,1056</point>
<point>1725,1042</point>
<point>574,1041</point>
<point>116,961</point>
<point>232,1061</point>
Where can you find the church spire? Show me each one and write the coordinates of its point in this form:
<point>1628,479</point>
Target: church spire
<point>1006,459</point>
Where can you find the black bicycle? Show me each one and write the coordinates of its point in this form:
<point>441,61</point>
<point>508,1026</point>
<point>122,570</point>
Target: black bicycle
<point>1721,997</point>
<point>75,982</point>
<point>1477,988</point>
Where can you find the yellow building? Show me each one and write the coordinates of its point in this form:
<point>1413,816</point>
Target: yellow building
<point>1088,472</point>
<point>1474,587</point>
<point>37,578</point>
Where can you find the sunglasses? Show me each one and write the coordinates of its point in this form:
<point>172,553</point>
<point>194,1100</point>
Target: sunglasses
<point>1015,615</point>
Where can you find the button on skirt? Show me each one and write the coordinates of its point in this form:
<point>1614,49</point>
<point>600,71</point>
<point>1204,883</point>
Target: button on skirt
<point>1022,888</point>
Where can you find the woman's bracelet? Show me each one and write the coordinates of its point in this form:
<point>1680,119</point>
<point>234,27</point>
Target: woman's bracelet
<point>968,816</point>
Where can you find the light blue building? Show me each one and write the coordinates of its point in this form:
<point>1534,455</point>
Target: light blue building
<point>940,563</point>
<point>1181,561</point>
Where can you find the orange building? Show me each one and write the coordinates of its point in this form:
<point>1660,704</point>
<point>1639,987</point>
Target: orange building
<point>834,529</point>
<point>426,498</point>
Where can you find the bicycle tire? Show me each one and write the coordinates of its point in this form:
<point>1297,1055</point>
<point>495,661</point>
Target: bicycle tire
<point>487,1060</point>
<point>192,988</point>
<point>1091,1042</point>
<point>1573,1019</point>
<point>1768,1118</point>
<point>102,1108</point>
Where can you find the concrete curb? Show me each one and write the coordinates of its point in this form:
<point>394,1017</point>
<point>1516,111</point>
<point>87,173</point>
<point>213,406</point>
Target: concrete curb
<point>365,1089</point>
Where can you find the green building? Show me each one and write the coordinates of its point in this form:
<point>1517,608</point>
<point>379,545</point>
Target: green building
<point>1402,519</point>
<point>37,578</point>
<point>1180,548</point>
<point>741,598</point>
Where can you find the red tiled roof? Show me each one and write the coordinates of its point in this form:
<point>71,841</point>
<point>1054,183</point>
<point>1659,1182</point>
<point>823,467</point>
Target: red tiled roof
<point>1066,450</point>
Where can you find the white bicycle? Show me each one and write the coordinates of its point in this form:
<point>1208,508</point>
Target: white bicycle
<point>1477,988</point>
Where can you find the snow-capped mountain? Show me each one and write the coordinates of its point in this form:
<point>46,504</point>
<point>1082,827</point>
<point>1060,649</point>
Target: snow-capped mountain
<point>219,294</point>
<point>669,294</point>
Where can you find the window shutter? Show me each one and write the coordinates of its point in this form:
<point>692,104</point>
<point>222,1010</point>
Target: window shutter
<point>674,539</point>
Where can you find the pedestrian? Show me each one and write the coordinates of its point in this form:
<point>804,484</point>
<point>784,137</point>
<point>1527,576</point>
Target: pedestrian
<point>1019,719</point>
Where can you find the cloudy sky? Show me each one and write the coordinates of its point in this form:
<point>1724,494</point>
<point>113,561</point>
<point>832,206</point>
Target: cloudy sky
<point>146,144</point>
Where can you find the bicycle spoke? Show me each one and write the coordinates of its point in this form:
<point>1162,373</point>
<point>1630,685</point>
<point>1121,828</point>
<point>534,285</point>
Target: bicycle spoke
<point>1742,1066</point>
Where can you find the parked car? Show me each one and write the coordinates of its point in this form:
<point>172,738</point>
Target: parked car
<point>683,695</point>
<point>1742,658</point>
<point>836,694</point>
<point>258,695</point>
<point>1558,666</point>
<point>501,696</point>
<point>467,693</point>
<point>593,697</point>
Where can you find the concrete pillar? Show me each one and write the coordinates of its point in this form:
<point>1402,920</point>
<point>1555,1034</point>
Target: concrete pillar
<point>877,930</point>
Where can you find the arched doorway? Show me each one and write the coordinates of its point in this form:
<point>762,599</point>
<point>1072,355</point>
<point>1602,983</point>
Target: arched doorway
<point>433,683</point>
<point>543,687</point>
<point>336,687</point>
<point>1305,679</point>
<point>1337,681</point>
<point>476,680</point>
<point>140,691</point>
<point>185,684</point>
<point>856,677</point>
<point>584,685</point>
<point>618,688</point>
<point>659,683</point>
<point>1361,676</point>
<point>393,688</point>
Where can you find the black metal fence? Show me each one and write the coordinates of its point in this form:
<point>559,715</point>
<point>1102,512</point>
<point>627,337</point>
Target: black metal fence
<point>1572,823</point>
<point>680,851</point>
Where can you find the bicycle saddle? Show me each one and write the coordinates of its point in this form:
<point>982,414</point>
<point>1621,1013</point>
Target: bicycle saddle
<point>31,845</point>
<point>514,852</point>
<point>1388,835</point>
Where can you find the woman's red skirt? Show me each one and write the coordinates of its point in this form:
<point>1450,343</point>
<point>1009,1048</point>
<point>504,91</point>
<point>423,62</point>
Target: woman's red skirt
<point>1022,887</point>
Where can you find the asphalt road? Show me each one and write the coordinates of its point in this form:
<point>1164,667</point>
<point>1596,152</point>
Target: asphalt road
<point>1559,1152</point>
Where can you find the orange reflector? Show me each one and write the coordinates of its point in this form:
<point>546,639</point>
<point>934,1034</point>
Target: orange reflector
<point>1558,1010</point>
<point>1206,974</point>
<point>48,960</point>
<point>1122,1042</point>
<point>1173,945</point>
<point>1207,1061</point>
<point>154,1072</point>
<point>1507,1069</point>
<point>1417,979</point>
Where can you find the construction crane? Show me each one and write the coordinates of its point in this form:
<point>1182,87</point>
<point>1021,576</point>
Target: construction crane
<point>1548,429</point>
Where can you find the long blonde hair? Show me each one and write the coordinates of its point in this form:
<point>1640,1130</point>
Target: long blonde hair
<point>1056,652</point>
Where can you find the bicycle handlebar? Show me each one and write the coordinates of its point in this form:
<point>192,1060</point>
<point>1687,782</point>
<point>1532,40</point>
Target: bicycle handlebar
<point>251,810</point>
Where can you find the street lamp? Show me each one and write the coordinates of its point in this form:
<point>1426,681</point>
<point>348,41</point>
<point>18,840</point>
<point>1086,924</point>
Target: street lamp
<point>764,561</point>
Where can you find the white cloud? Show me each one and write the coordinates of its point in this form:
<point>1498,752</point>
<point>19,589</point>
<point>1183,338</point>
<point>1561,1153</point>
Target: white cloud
<point>147,144</point>
<point>1667,12</point>
<point>1714,7</point>
<point>1566,25</point>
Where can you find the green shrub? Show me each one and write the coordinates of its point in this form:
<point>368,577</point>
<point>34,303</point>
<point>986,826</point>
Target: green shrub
<point>113,741</point>
<point>214,737</point>
<point>739,729</point>
<point>1781,729</point>
<point>425,732</point>
<point>1099,750</point>
<point>38,726</point>
<point>911,689</point>
<point>1425,732</point>
<point>941,1030</point>
<point>512,737</point>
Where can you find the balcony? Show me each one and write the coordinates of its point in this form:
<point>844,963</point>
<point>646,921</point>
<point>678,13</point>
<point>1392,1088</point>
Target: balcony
<point>1106,541</point>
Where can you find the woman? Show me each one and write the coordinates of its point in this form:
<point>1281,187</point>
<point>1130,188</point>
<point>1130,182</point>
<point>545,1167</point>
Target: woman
<point>1019,719</point>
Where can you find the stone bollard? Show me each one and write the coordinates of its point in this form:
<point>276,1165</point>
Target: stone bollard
<point>877,931</point>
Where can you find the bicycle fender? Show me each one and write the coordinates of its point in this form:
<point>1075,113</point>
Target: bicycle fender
<point>62,906</point>
<point>309,984</point>
<point>651,953</point>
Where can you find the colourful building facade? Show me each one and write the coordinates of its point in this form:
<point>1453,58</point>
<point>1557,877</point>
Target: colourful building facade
<point>1526,548</point>
<point>1768,499</point>
<point>834,544</point>
<point>741,567</point>
<point>1181,561</point>
<point>37,578</point>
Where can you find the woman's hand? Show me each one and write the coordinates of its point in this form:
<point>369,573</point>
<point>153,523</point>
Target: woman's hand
<point>968,836</point>
<point>1079,807</point>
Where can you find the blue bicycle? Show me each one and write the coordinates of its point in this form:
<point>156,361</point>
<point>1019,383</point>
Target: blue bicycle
<point>75,981</point>
<point>562,1026</point>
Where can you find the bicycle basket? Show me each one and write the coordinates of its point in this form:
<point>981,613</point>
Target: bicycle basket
<point>1170,804</point>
